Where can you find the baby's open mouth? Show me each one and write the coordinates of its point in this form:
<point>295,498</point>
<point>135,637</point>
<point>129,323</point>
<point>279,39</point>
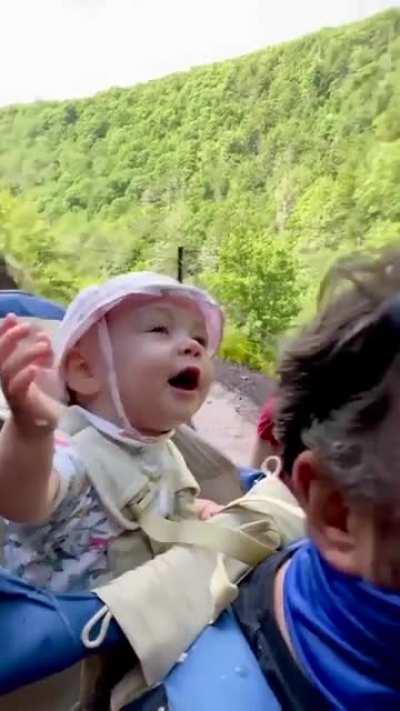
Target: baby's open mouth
<point>186,379</point>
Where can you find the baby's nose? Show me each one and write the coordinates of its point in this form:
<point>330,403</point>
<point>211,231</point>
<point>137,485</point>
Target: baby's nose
<point>190,346</point>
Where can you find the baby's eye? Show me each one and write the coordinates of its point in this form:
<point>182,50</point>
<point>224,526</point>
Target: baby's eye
<point>158,329</point>
<point>202,340</point>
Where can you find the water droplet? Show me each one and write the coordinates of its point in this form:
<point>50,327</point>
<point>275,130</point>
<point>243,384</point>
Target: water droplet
<point>182,658</point>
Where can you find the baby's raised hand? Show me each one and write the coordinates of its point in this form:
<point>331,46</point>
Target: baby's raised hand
<point>23,352</point>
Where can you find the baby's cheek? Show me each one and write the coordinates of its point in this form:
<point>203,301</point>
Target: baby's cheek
<point>208,373</point>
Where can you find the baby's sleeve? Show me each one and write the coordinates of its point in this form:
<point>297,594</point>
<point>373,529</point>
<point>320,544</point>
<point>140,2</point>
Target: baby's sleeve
<point>72,476</point>
<point>48,553</point>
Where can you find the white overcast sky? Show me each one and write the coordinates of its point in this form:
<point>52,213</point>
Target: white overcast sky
<point>68,48</point>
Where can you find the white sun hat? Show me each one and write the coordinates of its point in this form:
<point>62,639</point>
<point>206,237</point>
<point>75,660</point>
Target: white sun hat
<point>93,303</point>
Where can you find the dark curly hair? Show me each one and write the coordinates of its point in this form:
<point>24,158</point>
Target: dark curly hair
<point>341,359</point>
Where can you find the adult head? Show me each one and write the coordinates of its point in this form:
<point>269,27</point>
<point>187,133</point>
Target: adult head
<point>323,616</point>
<point>339,418</point>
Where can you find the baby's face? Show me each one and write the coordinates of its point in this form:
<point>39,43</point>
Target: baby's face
<point>160,353</point>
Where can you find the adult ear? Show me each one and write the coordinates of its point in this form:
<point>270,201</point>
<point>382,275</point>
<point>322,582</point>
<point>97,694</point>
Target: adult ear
<point>329,517</point>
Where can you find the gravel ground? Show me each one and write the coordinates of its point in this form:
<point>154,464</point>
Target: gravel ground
<point>248,383</point>
<point>229,415</point>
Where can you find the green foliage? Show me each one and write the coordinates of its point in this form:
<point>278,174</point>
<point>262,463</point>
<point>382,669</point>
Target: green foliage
<point>256,279</point>
<point>264,168</point>
<point>26,239</point>
<point>237,347</point>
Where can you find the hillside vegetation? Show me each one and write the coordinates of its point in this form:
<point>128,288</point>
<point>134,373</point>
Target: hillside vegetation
<point>264,168</point>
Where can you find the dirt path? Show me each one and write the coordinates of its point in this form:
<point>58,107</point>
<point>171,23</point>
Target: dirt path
<point>228,417</point>
<point>248,383</point>
<point>227,420</point>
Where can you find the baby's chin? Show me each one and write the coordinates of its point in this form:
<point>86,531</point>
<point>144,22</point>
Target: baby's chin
<point>152,429</point>
<point>168,416</point>
<point>151,432</point>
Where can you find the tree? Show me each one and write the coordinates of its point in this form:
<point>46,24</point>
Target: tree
<point>256,278</point>
<point>265,168</point>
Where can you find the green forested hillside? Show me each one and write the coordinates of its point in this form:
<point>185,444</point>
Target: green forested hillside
<point>264,168</point>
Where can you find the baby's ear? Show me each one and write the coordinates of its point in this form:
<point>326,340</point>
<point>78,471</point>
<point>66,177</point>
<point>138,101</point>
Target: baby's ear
<point>80,377</point>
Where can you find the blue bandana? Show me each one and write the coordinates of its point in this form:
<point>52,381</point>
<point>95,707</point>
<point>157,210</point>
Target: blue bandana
<point>345,633</point>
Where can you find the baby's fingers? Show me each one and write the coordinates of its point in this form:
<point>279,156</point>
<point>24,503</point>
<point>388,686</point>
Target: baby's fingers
<point>38,353</point>
<point>19,385</point>
<point>8,322</point>
<point>11,333</point>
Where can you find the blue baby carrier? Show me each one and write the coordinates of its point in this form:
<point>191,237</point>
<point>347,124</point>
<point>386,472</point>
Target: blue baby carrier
<point>41,635</point>
<point>27,305</point>
<point>219,672</point>
<point>40,631</point>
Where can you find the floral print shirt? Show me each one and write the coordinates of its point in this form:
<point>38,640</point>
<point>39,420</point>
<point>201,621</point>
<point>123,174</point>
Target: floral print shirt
<point>69,551</point>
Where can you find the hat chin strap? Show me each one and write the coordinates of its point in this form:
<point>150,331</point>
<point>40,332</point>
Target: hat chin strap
<point>107,352</point>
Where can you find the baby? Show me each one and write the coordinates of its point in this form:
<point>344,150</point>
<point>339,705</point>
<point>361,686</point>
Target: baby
<point>134,357</point>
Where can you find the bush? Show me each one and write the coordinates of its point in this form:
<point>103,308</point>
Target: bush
<point>238,348</point>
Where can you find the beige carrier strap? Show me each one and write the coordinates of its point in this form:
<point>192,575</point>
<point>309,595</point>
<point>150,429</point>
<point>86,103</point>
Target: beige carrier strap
<point>125,472</point>
<point>289,508</point>
<point>234,543</point>
<point>163,605</point>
